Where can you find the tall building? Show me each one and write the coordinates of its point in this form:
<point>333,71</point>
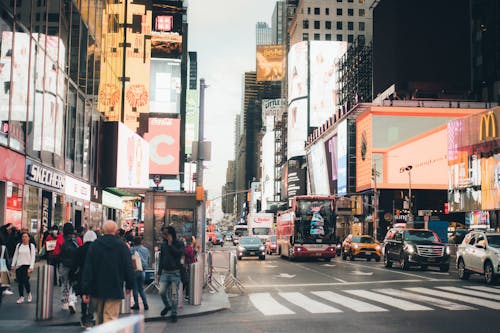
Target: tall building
<point>346,20</point>
<point>279,31</point>
<point>263,34</point>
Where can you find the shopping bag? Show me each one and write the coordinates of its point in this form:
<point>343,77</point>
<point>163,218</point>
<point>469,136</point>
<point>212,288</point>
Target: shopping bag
<point>4,279</point>
<point>136,262</point>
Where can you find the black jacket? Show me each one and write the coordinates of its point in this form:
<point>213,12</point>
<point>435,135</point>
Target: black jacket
<point>170,256</point>
<point>76,273</point>
<point>108,265</point>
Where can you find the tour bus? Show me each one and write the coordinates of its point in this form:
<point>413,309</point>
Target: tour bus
<point>307,228</point>
<point>260,225</point>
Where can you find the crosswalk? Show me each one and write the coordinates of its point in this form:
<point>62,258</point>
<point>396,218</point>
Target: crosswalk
<point>377,300</point>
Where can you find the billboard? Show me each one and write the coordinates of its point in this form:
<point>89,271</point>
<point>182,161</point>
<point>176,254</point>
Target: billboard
<point>342,158</point>
<point>331,162</point>
<point>297,71</point>
<point>164,144</point>
<point>191,129</point>
<point>166,45</point>
<point>318,171</point>
<point>271,107</point>
<point>166,37</point>
<point>165,82</point>
<point>297,128</point>
<point>271,62</point>
<point>132,163</point>
<point>323,73</point>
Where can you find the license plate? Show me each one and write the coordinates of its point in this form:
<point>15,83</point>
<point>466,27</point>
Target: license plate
<point>362,253</point>
<point>318,254</point>
<point>251,252</point>
<point>431,259</point>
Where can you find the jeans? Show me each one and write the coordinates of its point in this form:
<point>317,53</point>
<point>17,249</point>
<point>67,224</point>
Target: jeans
<point>23,279</point>
<point>68,295</point>
<point>139,289</point>
<point>169,289</point>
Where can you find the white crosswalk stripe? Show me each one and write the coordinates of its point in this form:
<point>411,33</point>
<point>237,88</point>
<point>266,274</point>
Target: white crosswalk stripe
<point>426,299</point>
<point>392,301</point>
<point>482,294</point>
<point>308,304</point>
<point>348,302</point>
<point>266,304</point>
<point>487,289</point>
<point>457,297</point>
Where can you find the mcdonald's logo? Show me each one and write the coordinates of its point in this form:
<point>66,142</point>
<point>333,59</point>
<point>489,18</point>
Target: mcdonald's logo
<point>488,126</point>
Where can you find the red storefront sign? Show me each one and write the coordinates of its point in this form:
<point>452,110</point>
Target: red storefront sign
<point>12,166</point>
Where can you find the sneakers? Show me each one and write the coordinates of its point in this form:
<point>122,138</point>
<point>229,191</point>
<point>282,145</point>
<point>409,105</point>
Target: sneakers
<point>20,300</point>
<point>30,298</point>
<point>146,307</point>
<point>71,308</point>
<point>135,307</point>
<point>165,310</point>
<point>7,292</point>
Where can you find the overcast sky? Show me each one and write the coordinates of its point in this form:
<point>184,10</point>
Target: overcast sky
<point>223,34</point>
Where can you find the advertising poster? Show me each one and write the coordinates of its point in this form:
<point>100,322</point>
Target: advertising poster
<point>166,45</point>
<point>342,158</point>
<point>191,119</point>
<point>268,164</point>
<point>164,144</point>
<point>165,86</point>
<point>331,162</point>
<point>297,128</point>
<point>271,62</point>
<point>167,32</point>
<point>323,73</point>
<point>297,71</point>
<point>272,107</point>
<point>319,170</point>
<point>296,179</point>
<point>133,159</point>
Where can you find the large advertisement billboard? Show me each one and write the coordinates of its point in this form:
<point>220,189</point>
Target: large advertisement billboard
<point>191,131</point>
<point>165,86</point>
<point>323,73</point>
<point>132,170</point>
<point>342,158</point>
<point>166,37</point>
<point>272,107</point>
<point>297,128</point>
<point>331,162</point>
<point>297,71</point>
<point>318,171</point>
<point>164,144</point>
<point>271,62</point>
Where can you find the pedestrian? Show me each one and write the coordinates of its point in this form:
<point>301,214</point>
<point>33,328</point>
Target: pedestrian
<point>189,258</point>
<point>144,256</point>
<point>169,271</point>
<point>50,246</point>
<point>108,265</point>
<point>87,317</point>
<point>4,269</point>
<point>23,263</point>
<point>67,258</point>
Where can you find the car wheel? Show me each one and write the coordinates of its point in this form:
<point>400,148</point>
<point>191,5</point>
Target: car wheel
<point>369,259</point>
<point>262,258</point>
<point>403,262</point>
<point>387,262</point>
<point>463,274</point>
<point>377,259</point>
<point>489,276</point>
<point>423,267</point>
<point>239,258</point>
<point>351,256</point>
<point>344,255</point>
<point>444,268</point>
<point>290,254</point>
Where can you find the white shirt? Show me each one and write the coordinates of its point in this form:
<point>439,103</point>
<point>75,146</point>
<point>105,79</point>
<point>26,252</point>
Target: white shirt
<point>24,255</point>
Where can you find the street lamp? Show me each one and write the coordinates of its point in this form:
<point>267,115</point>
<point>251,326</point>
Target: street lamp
<point>404,169</point>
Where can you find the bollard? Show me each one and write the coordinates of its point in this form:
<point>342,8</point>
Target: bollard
<point>196,283</point>
<point>45,292</point>
<point>125,305</point>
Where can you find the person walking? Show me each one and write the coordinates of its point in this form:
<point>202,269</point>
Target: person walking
<point>143,253</point>
<point>108,266</point>
<point>4,268</point>
<point>23,263</point>
<point>67,258</point>
<point>169,271</point>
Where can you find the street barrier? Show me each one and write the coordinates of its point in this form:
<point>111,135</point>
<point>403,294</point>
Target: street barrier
<point>45,292</point>
<point>154,272</point>
<point>130,324</point>
<point>224,264</point>
<point>195,283</point>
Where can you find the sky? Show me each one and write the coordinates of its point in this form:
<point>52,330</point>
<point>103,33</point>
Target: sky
<point>222,32</point>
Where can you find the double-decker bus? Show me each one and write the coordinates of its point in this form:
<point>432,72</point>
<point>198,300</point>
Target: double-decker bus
<point>307,229</point>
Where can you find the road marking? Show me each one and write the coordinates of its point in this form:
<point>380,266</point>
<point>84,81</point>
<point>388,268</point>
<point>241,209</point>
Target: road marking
<point>348,302</point>
<point>328,265</point>
<point>286,275</point>
<point>421,298</point>
<point>439,273</point>
<point>267,305</point>
<point>271,266</point>
<point>308,304</point>
<point>391,301</point>
<point>457,297</point>
<point>361,273</point>
<point>340,280</point>
<point>496,297</point>
<point>392,271</point>
<point>483,288</point>
<point>344,283</point>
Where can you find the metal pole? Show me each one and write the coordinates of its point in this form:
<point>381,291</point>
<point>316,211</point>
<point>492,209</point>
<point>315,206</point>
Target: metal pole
<point>410,215</point>
<point>375,202</point>
<point>199,164</point>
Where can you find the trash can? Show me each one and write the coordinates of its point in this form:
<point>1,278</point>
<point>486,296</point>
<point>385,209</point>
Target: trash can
<point>125,305</point>
<point>195,283</point>
<point>45,292</point>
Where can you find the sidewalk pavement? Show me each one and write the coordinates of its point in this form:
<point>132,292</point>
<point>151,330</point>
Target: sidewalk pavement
<point>25,313</point>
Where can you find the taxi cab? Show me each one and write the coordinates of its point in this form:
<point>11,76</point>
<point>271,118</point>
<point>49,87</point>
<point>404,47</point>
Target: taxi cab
<point>363,246</point>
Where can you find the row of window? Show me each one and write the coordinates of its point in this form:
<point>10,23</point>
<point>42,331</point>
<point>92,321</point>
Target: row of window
<point>338,37</point>
<point>340,25</point>
<point>340,11</point>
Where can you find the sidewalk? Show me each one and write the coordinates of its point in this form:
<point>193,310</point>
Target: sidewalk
<point>25,313</point>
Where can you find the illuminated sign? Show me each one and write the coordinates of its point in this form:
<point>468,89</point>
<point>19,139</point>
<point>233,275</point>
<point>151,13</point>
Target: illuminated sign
<point>488,126</point>
<point>164,23</point>
<point>271,62</point>
<point>342,158</point>
<point>164,144</point>
<point>39,174</point>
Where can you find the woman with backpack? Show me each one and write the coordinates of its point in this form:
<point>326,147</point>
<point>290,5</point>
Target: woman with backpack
<point>23,263</point>
<point>67,257</point>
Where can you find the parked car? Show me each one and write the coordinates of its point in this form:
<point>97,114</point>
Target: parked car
<point>251,246</point>
<point>271,245</point>
<point>363,246</point>
<point>479,253</point>
<point>415,247</point>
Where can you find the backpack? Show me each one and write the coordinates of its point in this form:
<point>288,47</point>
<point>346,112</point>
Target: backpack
<point>68,252</point>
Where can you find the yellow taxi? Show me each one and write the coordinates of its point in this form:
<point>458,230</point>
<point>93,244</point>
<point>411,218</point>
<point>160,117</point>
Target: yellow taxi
<point>362,246</point>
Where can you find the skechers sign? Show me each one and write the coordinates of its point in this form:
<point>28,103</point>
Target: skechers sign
<point>39,174</point>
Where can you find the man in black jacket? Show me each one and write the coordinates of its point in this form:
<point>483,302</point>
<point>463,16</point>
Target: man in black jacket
<point>169,271</point>
<point>107,266</point>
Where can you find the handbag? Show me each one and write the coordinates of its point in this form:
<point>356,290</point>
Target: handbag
<point>136,262</point>
<point>4,271</point>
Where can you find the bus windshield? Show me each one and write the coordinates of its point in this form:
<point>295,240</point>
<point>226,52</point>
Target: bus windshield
<point>241,232</point>
<point>314,222</point>
<point>261,231</point>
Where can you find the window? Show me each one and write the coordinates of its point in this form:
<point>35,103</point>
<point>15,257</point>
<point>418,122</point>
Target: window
<point>327,11</point>
<point>339,25</point>
<point>361,12</point>
<point>339,0</point>
<point>305,24</point>
<point>328,37</point>
<point>350,38</point>
<point>361,26</point>
<point>305,36</point>
<point>350,12</point>
<point>316,37</point>
<point>339,38</point>
<point>316,11</point>
<point>309,10</point>
<point>361,39</point>
<point>339,11</point>
<point>328,24</point>
<point>350,25</point>
<point>350,1</point>
<point>316,24</point>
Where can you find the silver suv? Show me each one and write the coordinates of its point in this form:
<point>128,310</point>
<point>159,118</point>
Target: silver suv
<point>479,253</point>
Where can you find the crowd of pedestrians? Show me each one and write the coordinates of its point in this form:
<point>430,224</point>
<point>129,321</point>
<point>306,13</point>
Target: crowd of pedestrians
<point>102,267</point>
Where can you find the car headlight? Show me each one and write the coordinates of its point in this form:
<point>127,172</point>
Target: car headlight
<point>262,248</point>
<point>377,247</point>
<point>356,246</point>
<point>240,248</point>
<point>448,250</point>
<point>410,249</point>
